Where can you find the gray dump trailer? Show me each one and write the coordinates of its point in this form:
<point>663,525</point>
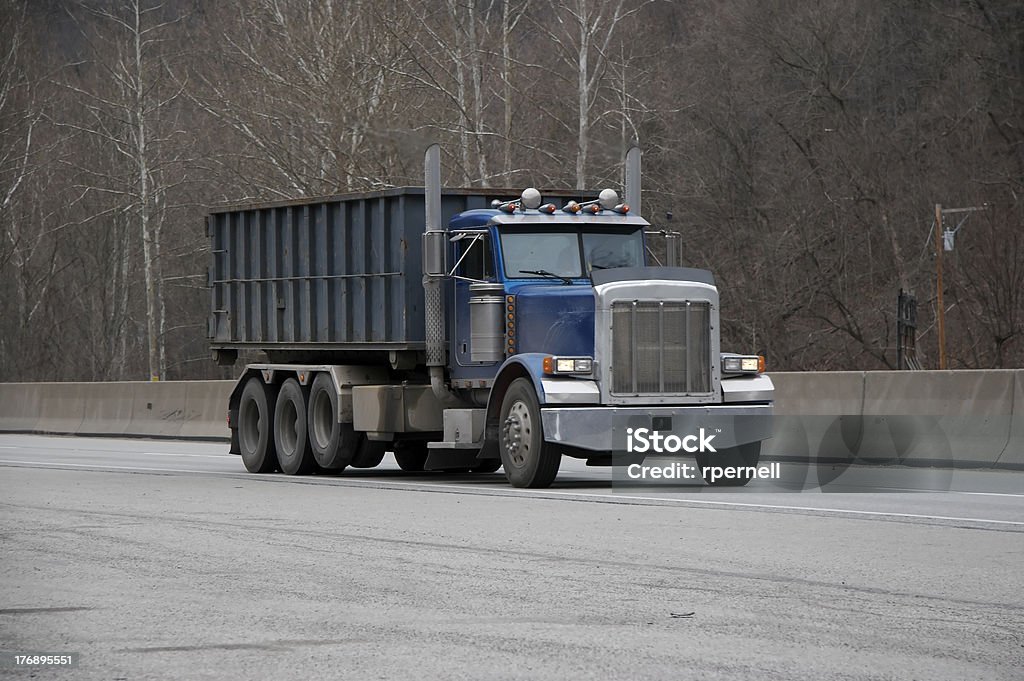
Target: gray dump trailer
<point>462,329</point>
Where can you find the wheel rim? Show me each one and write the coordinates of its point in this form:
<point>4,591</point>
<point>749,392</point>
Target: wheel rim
<point>250,418</point>
<point>516,433</point>
<point>323,422</point>
<point>289,427</point>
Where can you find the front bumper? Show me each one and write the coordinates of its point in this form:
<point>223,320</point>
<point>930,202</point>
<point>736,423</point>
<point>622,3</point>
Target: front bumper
<point>604,429</point>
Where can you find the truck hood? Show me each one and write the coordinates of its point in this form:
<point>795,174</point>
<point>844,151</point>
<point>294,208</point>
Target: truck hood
<point>556,319</point>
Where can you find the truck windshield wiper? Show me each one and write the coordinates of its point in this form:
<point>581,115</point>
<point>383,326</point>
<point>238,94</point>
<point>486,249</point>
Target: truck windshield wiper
<point>545,273</point>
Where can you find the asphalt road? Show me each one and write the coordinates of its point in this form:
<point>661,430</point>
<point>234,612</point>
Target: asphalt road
<point>165,560</point>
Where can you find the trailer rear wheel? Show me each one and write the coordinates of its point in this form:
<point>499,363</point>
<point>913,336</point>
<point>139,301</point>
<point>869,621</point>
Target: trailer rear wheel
<point>255,426</point>
<point>290,430</point>
<point>333,444</point>
<point>529,460</point>
<point>739,457</point>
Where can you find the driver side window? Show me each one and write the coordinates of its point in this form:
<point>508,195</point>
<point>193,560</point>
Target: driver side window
<point>478,263</point>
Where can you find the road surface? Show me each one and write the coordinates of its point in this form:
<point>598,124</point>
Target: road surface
<point>164,559</point>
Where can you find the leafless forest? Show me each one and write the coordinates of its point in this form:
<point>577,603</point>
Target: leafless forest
<point>800,147</point>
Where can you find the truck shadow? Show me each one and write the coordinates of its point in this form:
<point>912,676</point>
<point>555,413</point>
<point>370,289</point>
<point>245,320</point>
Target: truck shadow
<point>497,480</point>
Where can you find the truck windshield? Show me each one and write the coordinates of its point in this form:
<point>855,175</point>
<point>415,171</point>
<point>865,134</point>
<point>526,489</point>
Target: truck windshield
<point>569,253</point>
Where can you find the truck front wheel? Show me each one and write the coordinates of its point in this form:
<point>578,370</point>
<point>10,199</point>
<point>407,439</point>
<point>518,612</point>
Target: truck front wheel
<point>737,458</point>
<point>255,426</point>
<point>529,460</point>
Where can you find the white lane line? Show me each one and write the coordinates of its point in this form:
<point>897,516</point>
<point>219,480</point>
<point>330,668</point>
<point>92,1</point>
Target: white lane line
<point>702,502</point>
<point>551,493</point>
<point>989,494</point>
<point>207,456</point>
<point>6,447</point>
<point>883,514</point>
<point>102,467</point>
<point>948,491</point>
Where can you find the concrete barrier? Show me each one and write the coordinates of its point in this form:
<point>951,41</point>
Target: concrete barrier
<point>62,407</point>
<point>20,405</point>
<point>941,417</point>
<point>1013,454</point>
<point>190,409</point>
<point>108,409</point>
<point>206,409</point>
<point>962,418</point>
<point>159,409</point>
<point>818,415</point>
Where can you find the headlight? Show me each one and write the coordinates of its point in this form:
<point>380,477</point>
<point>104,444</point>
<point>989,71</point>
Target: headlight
<point>742,364</point>
<point>568,365</point>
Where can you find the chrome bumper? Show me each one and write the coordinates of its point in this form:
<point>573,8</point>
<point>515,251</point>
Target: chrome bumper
<point>604,429</point>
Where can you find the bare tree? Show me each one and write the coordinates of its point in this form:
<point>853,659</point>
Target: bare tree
<point>321,108</point>
<point>126,101</point>
<point>800,148</point>
<point>582,36</point>
<point>29,150</point>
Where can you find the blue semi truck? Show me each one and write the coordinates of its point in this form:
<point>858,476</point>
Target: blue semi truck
<point>467,330</point>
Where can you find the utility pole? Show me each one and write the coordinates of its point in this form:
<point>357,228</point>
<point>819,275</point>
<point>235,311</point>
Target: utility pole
<point>938,286</point>
<point>944,242</point>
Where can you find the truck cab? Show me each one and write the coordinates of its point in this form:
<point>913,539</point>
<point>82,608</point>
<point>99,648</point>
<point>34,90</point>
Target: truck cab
<point>576,341</point>
<point>541,267</point>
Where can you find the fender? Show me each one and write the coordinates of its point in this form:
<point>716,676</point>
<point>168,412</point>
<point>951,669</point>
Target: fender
<point>530,365</point>
<point>526,365</point>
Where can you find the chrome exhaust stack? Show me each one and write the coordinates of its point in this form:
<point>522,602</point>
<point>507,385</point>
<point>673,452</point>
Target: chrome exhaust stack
<point>632,180</point>
<point>435,247</point>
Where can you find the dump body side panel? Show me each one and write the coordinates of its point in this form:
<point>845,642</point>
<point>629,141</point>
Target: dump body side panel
<point>339,273</point>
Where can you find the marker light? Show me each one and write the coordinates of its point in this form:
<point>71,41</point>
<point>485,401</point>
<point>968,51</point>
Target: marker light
<point>510,325</point>
<point>571,207</point>
<point>622,208</point>
<point>548,208</point>
<point>593,208</point>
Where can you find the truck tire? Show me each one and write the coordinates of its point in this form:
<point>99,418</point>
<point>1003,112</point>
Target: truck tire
<point>528,459</point>
<point>744,455</point>
<point>411,455</point>
<point>333,444</point>
<point>255,426</point>
<point>291,431</point>
<point>369,453</point>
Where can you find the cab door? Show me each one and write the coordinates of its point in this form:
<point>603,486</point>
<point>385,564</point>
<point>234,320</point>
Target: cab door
<point>475,257</point>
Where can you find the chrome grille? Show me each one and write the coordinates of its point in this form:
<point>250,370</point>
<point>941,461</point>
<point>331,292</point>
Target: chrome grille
<point>661,347</point>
